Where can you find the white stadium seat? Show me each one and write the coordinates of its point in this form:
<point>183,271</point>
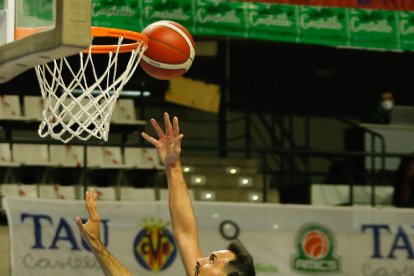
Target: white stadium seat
<point>137,194</point>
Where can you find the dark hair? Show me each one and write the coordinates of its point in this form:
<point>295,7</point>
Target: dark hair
<point>243,264</point>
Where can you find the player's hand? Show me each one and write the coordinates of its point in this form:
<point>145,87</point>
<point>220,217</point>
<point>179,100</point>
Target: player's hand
<point>169,141</point>
<point>90,230</point>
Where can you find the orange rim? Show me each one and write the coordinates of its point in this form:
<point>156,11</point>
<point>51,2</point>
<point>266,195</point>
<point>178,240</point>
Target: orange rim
<point>116,33</point>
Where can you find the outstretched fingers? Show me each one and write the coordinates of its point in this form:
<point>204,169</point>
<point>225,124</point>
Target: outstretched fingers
<point>171,129</point>
<point>91,197</point>
<point>167,123</point>
<point>176,128</point>
<point>157,128</point>
<point>150,139</point>
<point>179,138</point>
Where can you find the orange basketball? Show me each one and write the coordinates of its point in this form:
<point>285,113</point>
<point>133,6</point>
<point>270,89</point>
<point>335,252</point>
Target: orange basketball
<point>170,50</point>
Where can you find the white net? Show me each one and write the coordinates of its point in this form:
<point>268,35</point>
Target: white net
<point>82,107</point>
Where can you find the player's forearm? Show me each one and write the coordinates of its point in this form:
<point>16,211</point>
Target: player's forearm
<point>183,218</point>
<point>109,264</point>
<point>181,209</point>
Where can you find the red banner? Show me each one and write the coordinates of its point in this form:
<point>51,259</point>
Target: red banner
<point>402,5</point>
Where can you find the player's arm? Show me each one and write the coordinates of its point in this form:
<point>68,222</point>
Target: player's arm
<point>183,219</point>
<point>90,232</point>
<point>181,210</point>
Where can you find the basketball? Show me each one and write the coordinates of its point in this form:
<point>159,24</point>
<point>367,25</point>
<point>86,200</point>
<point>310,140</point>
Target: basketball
<point>170,50</point>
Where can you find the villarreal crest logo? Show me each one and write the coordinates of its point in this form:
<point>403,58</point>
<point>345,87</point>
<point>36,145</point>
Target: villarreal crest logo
<point>154,246</point>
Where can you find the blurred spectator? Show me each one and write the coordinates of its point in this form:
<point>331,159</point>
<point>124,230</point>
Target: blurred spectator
<point>381,112</point>
<point>404,183</point>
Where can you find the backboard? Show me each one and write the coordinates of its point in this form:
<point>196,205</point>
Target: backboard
<point>34,32</point>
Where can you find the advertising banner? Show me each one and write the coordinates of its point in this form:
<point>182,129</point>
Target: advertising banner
<point>267,20</point>
<point>283,239</point>
<point>360,4</point>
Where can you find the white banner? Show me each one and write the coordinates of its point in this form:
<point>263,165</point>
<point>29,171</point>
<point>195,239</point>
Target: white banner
<point>283,239</point>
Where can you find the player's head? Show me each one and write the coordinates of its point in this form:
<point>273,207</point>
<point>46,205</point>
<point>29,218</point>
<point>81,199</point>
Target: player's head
<point>234,261</point>
<point>242,264</point>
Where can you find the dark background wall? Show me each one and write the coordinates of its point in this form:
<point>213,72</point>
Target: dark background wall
<point>286,77</point>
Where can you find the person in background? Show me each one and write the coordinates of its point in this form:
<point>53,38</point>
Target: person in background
<point>235,260</point>
<point>381,112</point>
<point>404,183</point>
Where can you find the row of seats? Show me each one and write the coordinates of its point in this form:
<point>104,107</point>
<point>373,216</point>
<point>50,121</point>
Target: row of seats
<point>73,156</point>
<point>220,179</point>
<point>339,194</point>
<point>322,194</point>
<point>49,191</point>
<point>32,108</point>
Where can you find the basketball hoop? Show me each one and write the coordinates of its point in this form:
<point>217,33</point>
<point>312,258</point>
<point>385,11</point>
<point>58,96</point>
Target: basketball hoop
<point>82,105</point>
